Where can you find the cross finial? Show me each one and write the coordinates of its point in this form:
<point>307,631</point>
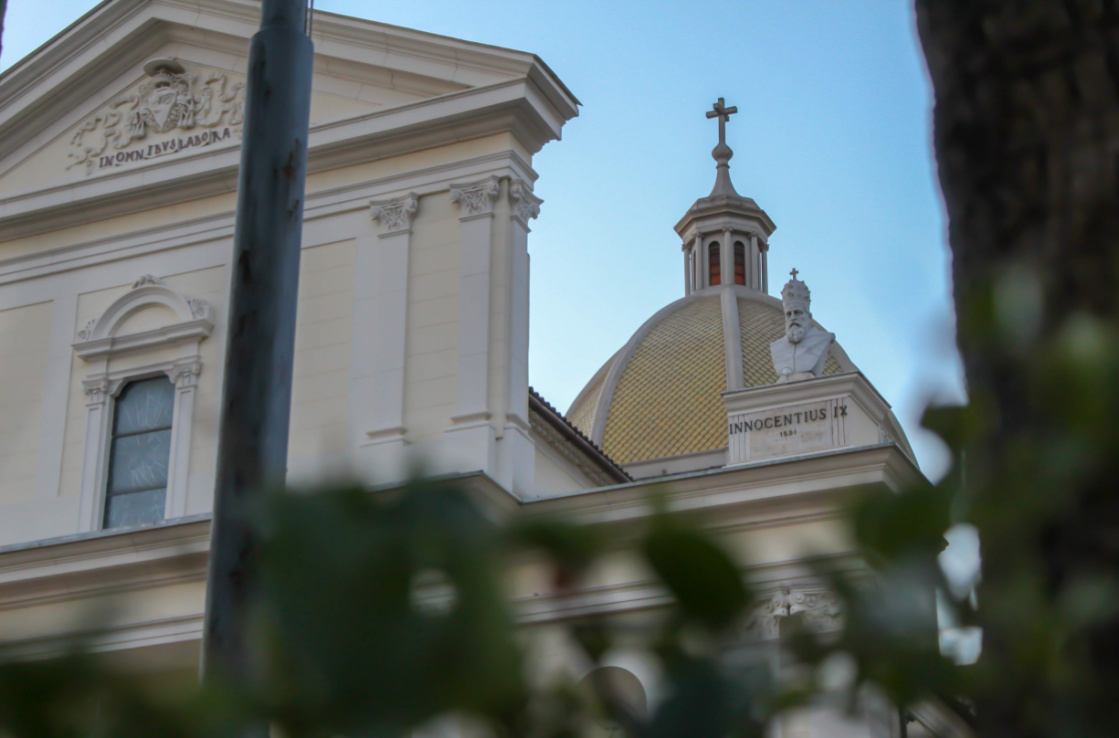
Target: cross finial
<point>794,273</point>
<point>723,113</point>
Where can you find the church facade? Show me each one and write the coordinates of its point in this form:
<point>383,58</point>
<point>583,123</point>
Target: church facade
<point>119,145</point>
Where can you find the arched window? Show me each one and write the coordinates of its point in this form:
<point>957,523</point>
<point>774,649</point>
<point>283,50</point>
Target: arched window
<point>139,453</point>
<point>713,273</point>
<point>739,263</point>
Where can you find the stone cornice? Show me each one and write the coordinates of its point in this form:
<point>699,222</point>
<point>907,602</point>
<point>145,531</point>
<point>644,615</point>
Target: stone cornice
<point>133,27</point>
<point>475,113</point>
<point>766,493</point>
<point>45,94</point>
<point>104,562</point>
<point>78,570</point>
<point>723,209</point>
<point>322,203</point>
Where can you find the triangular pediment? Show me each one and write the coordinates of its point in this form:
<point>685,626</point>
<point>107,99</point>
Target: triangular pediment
<point>136,85</point>
<point>176,109</point>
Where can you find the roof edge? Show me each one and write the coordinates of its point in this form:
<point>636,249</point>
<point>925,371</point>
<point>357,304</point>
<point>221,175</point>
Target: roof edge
<point>568,430</point>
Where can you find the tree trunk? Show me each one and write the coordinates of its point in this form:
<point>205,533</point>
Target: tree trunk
<point>1027,141</point>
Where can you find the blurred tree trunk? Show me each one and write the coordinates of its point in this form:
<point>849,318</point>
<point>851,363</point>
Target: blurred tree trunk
<point>1027,142</point>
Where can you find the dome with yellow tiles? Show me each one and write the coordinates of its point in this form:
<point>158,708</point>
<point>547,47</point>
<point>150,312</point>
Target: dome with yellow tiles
<point>660,396</point>
<point>657,405</point>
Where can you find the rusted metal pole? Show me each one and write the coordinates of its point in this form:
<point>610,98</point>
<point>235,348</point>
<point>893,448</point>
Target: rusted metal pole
<point>256,398</point>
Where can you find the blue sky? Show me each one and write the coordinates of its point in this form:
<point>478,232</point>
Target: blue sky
<point>833,140</point>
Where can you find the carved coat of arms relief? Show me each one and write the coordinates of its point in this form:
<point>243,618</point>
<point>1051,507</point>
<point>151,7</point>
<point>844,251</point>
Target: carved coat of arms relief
<point>203,104</point>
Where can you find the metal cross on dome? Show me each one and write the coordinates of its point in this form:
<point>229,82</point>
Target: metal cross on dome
<point>723,113</point>
<point>793,273</point>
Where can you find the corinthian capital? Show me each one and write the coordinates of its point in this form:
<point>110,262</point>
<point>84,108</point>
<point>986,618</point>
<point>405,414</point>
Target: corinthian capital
<point>395,215</point>
<point>476,198</point>
<point>526,205</point>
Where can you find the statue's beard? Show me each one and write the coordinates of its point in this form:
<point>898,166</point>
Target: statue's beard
<point>795,332</point>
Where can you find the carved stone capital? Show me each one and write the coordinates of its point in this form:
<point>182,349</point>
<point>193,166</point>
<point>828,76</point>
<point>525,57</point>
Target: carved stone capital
<point>97,390</point>
<point>820,607</point>
<point>476,198</point>
<point>526,205</point>
<point>397,214</point>
<point>184,374</point>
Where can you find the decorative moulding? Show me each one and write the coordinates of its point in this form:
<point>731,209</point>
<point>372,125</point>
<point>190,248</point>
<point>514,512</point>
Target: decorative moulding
<point>99,338</point>
<point>817,606</point>
<point>212,170</point>
<point>182,108</point>
<point>183,373</point>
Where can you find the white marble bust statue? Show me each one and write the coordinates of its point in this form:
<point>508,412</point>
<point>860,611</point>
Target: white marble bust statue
<point>802,351</point>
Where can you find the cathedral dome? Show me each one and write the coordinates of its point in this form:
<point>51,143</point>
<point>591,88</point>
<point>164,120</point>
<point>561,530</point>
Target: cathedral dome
<point>660,396</point>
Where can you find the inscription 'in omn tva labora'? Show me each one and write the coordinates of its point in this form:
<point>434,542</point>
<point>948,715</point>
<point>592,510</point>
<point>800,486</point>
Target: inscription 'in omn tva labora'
<point>785,420</point>
<point>163,148</point>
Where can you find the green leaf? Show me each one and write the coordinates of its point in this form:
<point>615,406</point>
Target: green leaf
<point>703,578</point>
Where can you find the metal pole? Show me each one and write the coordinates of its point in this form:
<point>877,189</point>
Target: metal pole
<point>256,398</point>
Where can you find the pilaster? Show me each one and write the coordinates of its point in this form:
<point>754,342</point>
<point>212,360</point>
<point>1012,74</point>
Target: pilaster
<point>699,263</point>
<point>763,261</point>
<point>516,456</point>
<point>471,432</point>
<point>96,451</point>
<point>378,359</point>
<point>184,375</point>
<point>753,262</point>
<point>726,257</point>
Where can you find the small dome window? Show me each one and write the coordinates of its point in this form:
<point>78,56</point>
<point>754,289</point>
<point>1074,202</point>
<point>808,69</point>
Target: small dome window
<point>713,273</point>
<point>739,263</point>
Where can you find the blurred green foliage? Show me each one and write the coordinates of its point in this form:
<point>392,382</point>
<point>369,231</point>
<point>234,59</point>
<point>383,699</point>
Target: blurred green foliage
<point>378,613</point>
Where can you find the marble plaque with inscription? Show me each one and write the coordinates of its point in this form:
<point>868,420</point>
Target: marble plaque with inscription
<point>787,431</point>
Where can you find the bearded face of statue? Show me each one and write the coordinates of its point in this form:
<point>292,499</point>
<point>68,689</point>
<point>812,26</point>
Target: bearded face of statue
<point>796,324</point>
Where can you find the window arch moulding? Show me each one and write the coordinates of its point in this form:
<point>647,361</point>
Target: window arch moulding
<point>176,344</point>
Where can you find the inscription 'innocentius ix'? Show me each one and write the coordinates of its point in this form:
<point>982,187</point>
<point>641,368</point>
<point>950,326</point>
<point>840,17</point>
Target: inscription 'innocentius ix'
<point>205,106</point>
<point>786,419</point>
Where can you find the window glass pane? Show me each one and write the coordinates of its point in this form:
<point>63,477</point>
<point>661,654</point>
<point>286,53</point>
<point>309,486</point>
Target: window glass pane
<point>139,461</point>
<point>140,453</point>
<point>145,405</point>
<point>713,266</point>
<point>739,262</point>
<point>134,508</point>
